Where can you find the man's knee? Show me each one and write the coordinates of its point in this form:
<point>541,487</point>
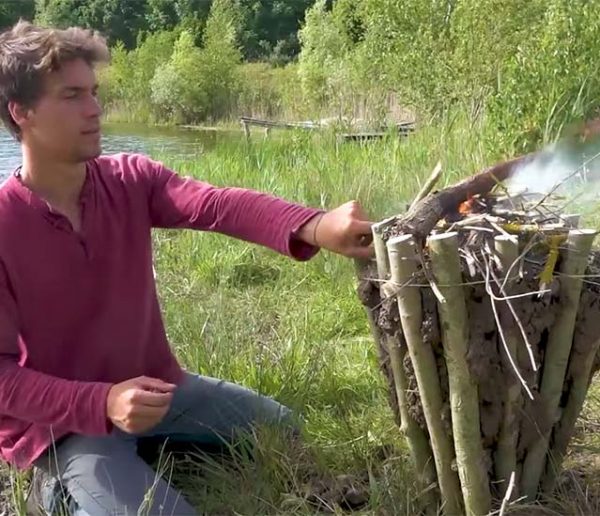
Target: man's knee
<point>105,476</point>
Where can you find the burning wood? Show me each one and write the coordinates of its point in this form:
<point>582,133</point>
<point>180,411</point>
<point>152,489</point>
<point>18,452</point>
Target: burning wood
<point>486,319</point>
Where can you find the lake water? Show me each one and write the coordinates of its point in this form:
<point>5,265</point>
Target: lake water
<point>181,143</point>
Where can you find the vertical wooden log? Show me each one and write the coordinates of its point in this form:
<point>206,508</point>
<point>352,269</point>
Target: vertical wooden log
<point>361,267</point>
<point>582,370</point>
<point>416,437</point>
<point>381,254</point>
<point>505,458</point>
<point>558,349</point>
<point>464,401</point>
<point>402,252</point>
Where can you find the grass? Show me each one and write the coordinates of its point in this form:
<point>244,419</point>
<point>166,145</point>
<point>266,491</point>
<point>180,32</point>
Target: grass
<point>296,331</point>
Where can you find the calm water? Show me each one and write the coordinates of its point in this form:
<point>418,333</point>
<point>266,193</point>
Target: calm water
<point>130,138</point>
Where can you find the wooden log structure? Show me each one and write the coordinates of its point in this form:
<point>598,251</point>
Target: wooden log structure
<point>483,432</point>
<point>464,402</point>
<point>558,351</point>
<point>402,252</point>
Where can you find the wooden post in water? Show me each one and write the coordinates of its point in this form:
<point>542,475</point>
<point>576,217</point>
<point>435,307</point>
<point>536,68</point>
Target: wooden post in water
<point>246,129</point>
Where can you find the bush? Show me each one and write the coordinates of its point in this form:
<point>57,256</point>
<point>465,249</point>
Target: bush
<point>270,92</point>
<point>531,63</point>
<point>199,84</point>
<point>125,84</point>
<point>322,59</point>
<point>176,89</point>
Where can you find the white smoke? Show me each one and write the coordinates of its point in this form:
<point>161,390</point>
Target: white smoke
<point>559,171</point>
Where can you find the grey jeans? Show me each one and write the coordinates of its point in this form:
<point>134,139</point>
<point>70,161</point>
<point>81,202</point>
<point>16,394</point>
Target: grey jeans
<point>106,476</point>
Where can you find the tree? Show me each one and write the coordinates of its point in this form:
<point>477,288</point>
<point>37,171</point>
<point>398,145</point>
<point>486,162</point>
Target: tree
<point>271,28</point>
<point>324,50</point>
<point>118,20</point>
<point>190,15</point>
<point>10,12</point>
<point>198,83</point>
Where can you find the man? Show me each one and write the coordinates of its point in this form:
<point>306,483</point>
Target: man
<point>86,371</point>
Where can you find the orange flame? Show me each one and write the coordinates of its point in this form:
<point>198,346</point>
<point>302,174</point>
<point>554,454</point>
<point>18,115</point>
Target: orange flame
<point>466,207</point>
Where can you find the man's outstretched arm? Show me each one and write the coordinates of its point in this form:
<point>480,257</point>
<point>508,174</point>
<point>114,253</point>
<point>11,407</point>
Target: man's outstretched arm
<point>286,227</point>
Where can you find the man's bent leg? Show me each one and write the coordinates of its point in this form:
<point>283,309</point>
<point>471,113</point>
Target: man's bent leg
<point>210,411</point>
<point>104,476</point>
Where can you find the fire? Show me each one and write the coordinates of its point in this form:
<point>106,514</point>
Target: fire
<point>466,207</point>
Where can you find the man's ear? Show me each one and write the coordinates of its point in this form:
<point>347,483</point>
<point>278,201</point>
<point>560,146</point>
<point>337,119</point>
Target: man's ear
<point>19,113</point>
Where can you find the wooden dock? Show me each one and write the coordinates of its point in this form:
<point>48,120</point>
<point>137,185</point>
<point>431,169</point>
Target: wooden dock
<point>403,129</point>
<point>247,122</point>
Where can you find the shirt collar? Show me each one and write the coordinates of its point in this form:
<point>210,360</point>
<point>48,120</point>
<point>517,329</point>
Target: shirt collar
<point>37,202</point>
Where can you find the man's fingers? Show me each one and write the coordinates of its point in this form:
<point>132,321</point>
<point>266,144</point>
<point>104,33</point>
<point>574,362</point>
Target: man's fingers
<point>361,252</point>
<point>365,240</point>
<point>362,227</point>
<point>152,399</point>
<point>155,384</point>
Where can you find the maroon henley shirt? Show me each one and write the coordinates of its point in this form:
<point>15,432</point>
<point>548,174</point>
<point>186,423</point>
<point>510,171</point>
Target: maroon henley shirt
<point>79,310</point>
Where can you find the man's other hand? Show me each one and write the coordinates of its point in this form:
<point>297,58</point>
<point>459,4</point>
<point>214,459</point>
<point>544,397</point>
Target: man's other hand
<point>139,404</point>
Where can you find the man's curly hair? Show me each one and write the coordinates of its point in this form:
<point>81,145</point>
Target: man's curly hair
<point>29,52</point>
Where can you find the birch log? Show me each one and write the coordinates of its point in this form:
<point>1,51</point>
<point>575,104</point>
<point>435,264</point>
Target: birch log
<point>464,400</point>
<point>416,437</point>
<point>381,255</point>
<point>558,349</point>
<point>566,426</point>
<point>402,252</point>
<point>505,458</point>
<point>361,267</point>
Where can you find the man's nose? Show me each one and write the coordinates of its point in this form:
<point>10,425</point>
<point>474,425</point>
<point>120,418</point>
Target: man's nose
<point>93,108</point>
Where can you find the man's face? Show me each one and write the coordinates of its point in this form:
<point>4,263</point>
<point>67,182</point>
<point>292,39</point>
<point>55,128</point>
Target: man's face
<point>64,124</point>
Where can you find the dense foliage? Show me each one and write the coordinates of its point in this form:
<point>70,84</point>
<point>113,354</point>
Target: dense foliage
<point>532,64</point>
<point>268,27</point>
<point>529,65</point>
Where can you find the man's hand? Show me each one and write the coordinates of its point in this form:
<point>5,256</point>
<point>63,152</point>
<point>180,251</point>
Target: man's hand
<point>137,405</point>
<point>344,230</point>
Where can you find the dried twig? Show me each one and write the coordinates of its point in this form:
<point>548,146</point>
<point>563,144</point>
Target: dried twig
<point>501,331</point>
<point>429,184</point>
<point>496,226</point>
<point>502,288</point>
<point>507,496</point>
